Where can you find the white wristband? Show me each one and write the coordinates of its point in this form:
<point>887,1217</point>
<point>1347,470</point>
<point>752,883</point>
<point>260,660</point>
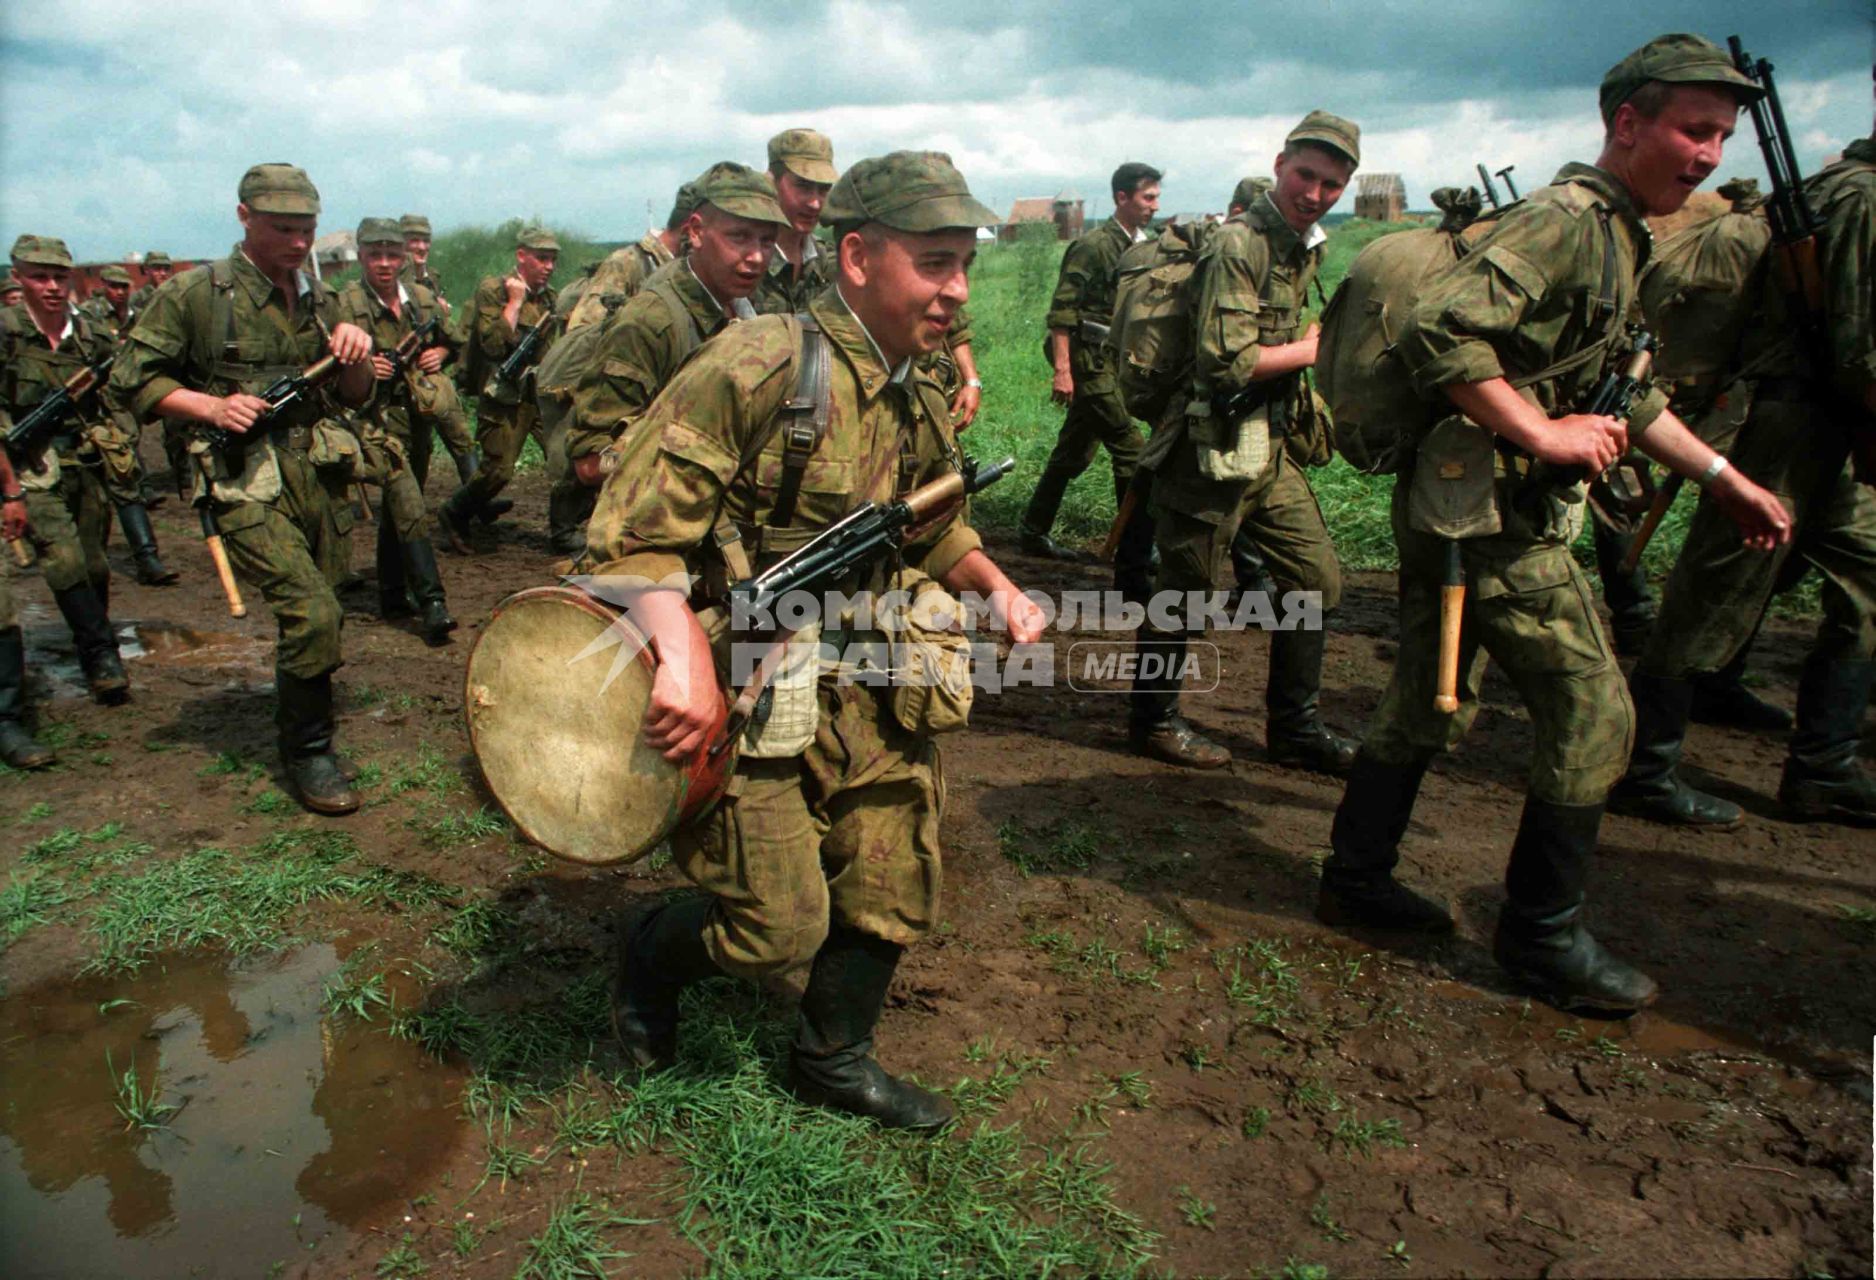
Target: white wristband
<point>974,382</point>
<point>1713,470</point>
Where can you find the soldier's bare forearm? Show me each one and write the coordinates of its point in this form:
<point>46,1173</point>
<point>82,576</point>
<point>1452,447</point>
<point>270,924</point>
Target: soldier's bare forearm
<point>1058,351</point>
<point>1287,357</point>
<point>1500,410</point>
<point>194,406</point>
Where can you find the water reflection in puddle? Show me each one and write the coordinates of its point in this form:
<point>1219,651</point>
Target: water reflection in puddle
<point>246,660</point>
<point>289,1125</point>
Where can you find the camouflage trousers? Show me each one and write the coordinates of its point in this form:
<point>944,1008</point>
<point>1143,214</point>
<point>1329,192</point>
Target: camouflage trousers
<point>569,503</point>
<point>1096,420</point>
<point>847,831</point>
<point>1277,510</point>
<point>405,469</point>
<point>440,411</point>
<point>120,467</point>
<point>293,550</point>
<point>1719,588</point>
<point>69,524</point>
<point>501,430</point>
<point>1529,608</point>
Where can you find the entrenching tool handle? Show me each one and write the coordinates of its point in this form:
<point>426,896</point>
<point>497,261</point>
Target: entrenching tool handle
<point>217,553</point>
<point>1452,612</point>
<point>1121,517</point>
<point>22,552</point>
<point>1657,511</point>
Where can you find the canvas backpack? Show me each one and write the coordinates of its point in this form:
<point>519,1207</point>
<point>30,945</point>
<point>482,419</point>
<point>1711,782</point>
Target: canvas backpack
<point>1698,292</point>
<point>1151,334</point>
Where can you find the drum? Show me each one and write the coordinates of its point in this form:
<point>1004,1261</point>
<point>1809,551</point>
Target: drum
<point>555,708</point>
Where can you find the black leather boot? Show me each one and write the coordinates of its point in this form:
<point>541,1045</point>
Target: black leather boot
<point>569,506</point>
<point>393,585</point>
<point>1294,732</point>
<point>427,585</point>
<point>660,953</point>
<point>453,519</point>
<point>17,747</point>
<point>1155,726</point>
<point>304,717</point>
<point>466,463</point>
<point>1135,557</point>
<point>494,509</point>
<point>85,613</point>
<point>1631,603</point>
<point>1721,698</point>
<point>1358,884</point>
<point>1541,940</point>
<point>1652,788</point>
<point>1823,780</point>
<point>151,571</point>
<point>832,1063</point>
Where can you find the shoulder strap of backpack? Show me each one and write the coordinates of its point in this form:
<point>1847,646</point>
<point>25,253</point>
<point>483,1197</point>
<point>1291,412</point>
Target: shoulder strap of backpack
<point>803,420</point>
<point>1607,306</point>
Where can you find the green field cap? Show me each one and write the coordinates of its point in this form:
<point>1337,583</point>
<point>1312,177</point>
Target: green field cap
<point>1743,192</point>
<point>378,231</point>
<point>1330,131</point>
<point>804,153</point>
<point>738,189</point>
<point>538,238</point>
<point>915,191</point>
<point>414,224</point>
<point>279,188</point>
<point>1675,59</point>
<point>1245,194</point>
<point>114,275</point>
<point>156,258</point>
<point>684,204</point>
<point>41,251</point>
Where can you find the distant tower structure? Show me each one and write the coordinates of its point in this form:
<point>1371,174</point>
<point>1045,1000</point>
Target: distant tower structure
<point>1381,197</point>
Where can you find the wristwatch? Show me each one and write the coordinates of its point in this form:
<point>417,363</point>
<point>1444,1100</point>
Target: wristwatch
<point>974,382</point>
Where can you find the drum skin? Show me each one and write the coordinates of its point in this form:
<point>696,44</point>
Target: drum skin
<point>558,735</point>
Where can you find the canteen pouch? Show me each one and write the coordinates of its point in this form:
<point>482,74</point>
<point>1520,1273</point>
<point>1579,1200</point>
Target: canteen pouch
<point>1233,450</point>
<point>931,657</point>
<point>334,448</point>
<point>257,481</point>
<point>789,709</point>
<point>1455,489</point>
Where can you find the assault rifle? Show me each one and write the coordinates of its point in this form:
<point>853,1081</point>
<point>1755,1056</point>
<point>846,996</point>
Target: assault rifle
<point>855,540</point>
<point>38,424</point>
<point>510,371</point>
<point>411,346</point>
<point>284,392</point>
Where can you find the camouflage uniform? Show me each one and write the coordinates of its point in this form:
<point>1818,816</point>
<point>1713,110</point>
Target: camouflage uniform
<point>1254,275</point>
<point>435,406</point>
<point>1552,281</point>
<point>281,495</point>
<point>790,286</point>
<point>832,853</point>
<point>1083,306</point>
<point>1796,442</point>
<point>66,499</point>
<point>405,558</point>
<point>618,277</point>
<point>140,299</point>
<point>501,428</point>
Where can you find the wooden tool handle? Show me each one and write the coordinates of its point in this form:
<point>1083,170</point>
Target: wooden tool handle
<point>1452,613</point>
<point>1657,512</point>
<point>237,608</point>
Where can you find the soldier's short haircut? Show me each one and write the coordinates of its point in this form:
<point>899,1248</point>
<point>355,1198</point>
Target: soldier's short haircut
<point>1130,177</point>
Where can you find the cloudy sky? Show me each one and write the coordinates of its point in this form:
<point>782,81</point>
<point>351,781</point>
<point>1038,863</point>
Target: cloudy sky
<point>125,124</point>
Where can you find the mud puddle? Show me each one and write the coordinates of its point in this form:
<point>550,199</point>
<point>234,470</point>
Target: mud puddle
<point>239,660</point>
<point>288,1125</point>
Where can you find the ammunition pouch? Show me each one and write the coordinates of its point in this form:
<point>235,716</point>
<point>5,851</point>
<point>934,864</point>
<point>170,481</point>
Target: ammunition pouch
<point>931,657</point>
<point>1232,440</point>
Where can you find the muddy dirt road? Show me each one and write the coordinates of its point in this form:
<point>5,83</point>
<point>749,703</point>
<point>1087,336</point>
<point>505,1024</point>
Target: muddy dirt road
<point>405,1070</point>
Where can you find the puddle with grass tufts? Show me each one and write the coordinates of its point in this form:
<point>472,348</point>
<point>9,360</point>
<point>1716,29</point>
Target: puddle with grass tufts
<point>270,1123</point>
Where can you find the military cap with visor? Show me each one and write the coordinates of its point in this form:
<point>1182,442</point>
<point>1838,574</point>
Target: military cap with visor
<point>1332,131</point>
<point>684,204</point>
<point>378,231</point>
<point>114,275</point>
<point>806,154</point>
<point>414,224</point>
<point>738,189</point>
<point>281,189</point>
<point>916,191</point>
<point>538,238</point>
<point>41,251</point>
<point>1675,59</point>
<point>156,258</point>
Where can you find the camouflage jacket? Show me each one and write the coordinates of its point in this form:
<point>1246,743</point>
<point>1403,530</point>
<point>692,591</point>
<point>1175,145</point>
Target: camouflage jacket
<point>1530,295</point>
<point>1254,275</point>
<point>1085,288</point>
<point>787,289</point>
<point>98,308</point>
<point>140,299</point>
<point>32,369</point>
<point>490,332</point>
<point>359,304</point>
<point>619,276</point>
<point>1843,197</point>
<point>640,347</point>
<point>708,449</point>
<point>414,274</point>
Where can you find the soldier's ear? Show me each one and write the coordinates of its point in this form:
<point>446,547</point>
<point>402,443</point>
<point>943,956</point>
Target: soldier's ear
<point>856,257</point>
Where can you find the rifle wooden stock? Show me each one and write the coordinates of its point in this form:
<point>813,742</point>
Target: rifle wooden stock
<point>1452,616</point>
<point>1657,512</point>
